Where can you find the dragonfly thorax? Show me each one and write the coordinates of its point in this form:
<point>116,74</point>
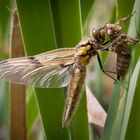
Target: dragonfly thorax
<point>84,54</point>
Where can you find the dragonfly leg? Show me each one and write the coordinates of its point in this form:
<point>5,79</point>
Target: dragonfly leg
<point>101,67</point>
<point>111,72</point>
<point>133,40</point>
<point>105,49</point>
<point>106,42</point>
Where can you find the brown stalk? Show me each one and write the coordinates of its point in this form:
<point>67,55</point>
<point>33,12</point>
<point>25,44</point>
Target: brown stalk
<point>18,92</point>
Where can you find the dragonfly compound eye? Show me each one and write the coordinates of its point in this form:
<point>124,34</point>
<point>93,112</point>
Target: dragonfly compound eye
<point>102,32</point>
<point>94,32</point>
<point>98,34</point>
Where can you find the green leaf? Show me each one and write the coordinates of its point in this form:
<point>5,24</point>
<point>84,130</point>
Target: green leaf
<point>4,108</point>
<point>131,123</point>
<point>132,32</point>
<point>31,107</point>
<point>5,6</point>
<point>67,22</point>
<point>120,12</point>
<point>38,36</point>
<point>70,35</point>
<point>85,8</point>
<point>46,25</point>
<point>4,90</point>
<point>80,130</point>
<point>121,4</point>
<point>113,123</point>
<point>115,117</point>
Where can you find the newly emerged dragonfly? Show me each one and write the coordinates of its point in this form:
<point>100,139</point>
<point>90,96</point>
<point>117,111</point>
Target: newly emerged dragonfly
<point>119,45</point>
<point>57,68</point>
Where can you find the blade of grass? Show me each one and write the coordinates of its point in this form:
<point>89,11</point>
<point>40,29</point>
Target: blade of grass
<point>121,4</point>
<point>4,37</point>
<point>120,12</point>
<point>38,35</point>
<point>35,36</point>
<point>17,92</point>
<point>113,126</point>
<point>85,8</point>
<point>80,130</point>
<point>31,106</point>
<point>67,22</point>
<point>115,114</point>
<point>70,35</point>
<point>133,30</point>
<point>137,24</point>
<point>132,114</point>
<point>4,18</point>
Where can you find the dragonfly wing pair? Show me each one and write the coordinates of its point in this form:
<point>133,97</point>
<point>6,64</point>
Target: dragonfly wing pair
<point>47,70</point>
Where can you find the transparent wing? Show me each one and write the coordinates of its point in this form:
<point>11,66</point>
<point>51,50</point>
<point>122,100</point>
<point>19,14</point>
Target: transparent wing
<point>44,70</point>
<point>56,54</point>
<point>110,64</point>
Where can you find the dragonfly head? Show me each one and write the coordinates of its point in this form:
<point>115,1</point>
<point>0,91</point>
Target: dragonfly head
<point>99,35</point>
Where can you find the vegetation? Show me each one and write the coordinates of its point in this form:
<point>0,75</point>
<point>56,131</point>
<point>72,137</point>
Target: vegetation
<point>46,25</point>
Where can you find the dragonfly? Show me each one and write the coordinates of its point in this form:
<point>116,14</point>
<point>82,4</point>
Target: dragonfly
<point>57,68</point>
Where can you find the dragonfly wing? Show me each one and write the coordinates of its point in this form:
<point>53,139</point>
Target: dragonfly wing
<point>56,54</point>
<point>110,64</point>
<point>38,72</point>
<point>48,77</point>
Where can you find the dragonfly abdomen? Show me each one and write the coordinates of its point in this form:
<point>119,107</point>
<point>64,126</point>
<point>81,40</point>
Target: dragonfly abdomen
<point>73,95</point>
<point>123,60</point>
